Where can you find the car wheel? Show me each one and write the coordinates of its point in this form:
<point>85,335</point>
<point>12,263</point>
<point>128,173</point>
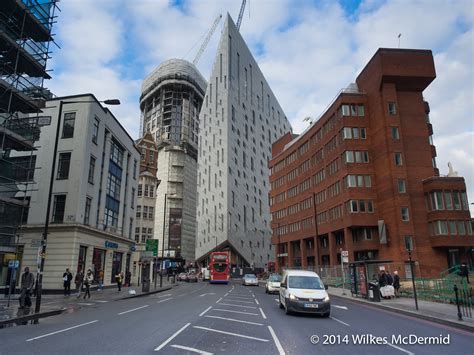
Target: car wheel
<point>287,309</point>
<point>281,304</point>
<point>266,290</point>
<point>326,315</point>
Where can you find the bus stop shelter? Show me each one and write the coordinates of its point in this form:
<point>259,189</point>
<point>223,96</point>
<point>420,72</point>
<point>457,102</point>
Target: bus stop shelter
<point>362,272</point>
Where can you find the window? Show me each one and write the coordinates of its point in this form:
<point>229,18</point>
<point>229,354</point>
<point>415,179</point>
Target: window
<point>140,191</point>
<point>87,211</point>
<point>63,165</point>
<point>405,214</point>
<point>95,130</point>
<point>145,212</point>
<point>395,133</point>
<point>139,211</point>
<point>452,227</point>
<point>91,170</point>
<point>465,203</point>
<point>447,200</point>
<point>151,212</point>
<point>461,228</point>
<point>409,242</point>
<point>152,191</point>
<point>68,125</point>
<point>392,108</point>
<point>146,190</point>
<point>457,200</point>
<point>58,208</point>
<point>402,188</point>
<point>135,163</point>
<point>398,159</point>
<point>132,202</point>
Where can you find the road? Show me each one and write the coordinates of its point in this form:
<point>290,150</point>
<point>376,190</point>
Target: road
<point>231,319</point>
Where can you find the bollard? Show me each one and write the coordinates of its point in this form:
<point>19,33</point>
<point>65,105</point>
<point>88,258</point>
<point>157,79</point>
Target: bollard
<point>457,302</point>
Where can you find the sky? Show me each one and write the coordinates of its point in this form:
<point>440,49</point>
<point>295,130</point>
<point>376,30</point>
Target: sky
<point>308,51</point>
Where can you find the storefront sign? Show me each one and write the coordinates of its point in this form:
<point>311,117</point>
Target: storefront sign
<point>111,245</point>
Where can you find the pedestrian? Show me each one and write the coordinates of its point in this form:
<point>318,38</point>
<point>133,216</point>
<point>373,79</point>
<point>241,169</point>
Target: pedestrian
<point>119,280</point>
<point>389,279</point>
<point>27,283</point>
<point>464,272</point>
<point>88,278</point>
<point>396,283</point>
<point>101,280</point>
<point>78,281</point>
<point>382,279</point>
<point>67,278</point>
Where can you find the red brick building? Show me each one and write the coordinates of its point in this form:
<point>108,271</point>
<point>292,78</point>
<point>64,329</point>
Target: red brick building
<point>366,173</point>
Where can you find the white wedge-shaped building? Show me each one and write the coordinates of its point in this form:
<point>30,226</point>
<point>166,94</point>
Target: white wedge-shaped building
<point>239,121</point>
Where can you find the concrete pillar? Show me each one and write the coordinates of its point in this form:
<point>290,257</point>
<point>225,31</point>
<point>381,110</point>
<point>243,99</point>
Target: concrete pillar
<point>290,255</point>
<point>348,243</point>
<point>332,249</point>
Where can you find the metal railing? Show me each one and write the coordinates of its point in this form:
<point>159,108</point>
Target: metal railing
<point>464,301</point>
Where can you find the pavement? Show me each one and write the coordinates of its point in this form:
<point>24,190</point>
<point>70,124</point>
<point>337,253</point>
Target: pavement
<point>74,302</point>
<point>444,313</point>
<point>229,319</point>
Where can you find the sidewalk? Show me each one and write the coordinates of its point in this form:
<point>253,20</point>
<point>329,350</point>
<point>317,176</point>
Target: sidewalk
<point>71,303</point>
<point>436,312</point>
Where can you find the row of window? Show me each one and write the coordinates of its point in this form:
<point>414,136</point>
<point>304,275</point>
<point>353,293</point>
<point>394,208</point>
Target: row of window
<point>146,233</point>
<point>450,227</point>
<point>146,190</point>
<point>148,212</point>
<point>447,200</point>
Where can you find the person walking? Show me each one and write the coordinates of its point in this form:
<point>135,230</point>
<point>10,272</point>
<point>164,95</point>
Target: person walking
<point>119,280</point>
<point>101,280</point>
<point>27,283</point>
<point>78,281</point>
<point>67,278</point>
<point>464,272</point>
<point>88,278</point>
<point>396,283</point>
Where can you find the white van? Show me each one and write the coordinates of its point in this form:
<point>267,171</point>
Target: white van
<point>303,291</point>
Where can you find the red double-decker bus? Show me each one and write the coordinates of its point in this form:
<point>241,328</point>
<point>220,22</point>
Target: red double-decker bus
<point>219,267</point>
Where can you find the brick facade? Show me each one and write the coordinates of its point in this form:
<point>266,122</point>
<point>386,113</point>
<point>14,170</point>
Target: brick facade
<point>363,177</point>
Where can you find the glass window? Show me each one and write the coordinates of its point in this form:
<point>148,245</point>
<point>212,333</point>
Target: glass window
<point>452,227</point>
<point>351,181</point>
<point>409,242</point>
<point>461,228</point>
<point>465,203</point>
<point>349,158</point>
<point>448,200</point>
<point>59,206</point>
<point>392,108</point>
<point>68,125</point>
<point>354,206</point>
<point>353,110</point>
<point>395,134</point>
<point>63,165</point>
<point>361,110</point>
<point>140,191</point>
<point>345,110</point>
<point>370,206</point>
<point>398,159</point>
<point>402,188</point>
<point>87,211</point>
<point>347,133</point>
<point>457,200</point>
<point>365,156</point>
<point>355,133</point>
<point>361,206</point>
<point>360,180</point>
<point>362,133</point>
<point>139,211</point>
<point>405,214</point>
<point>95,130</point>
<point>469,227</point>
<point>91,170</point>
<point>368,181</point>
<point>305,282</point>
<point>438,197</point>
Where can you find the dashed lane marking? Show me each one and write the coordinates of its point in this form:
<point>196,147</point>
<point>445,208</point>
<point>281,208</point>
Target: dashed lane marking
<point>234,320</point>
<point>229,333</point>
<point>204,312</point>
<point>220,299</point>
<point>277,341</point>
<point>236,305</point>
<point>256,301</point>
<point>134,309</point>
<point>166,299</point>
<point>401,349</point>
<point>340,307</point>
<point>231,311</point>
<point>340,321</point>
<point>86,304</point>
<point>62,330</point>
<point>193,350</point>
<point>263,314</point>
<point>167,295</point>
<point>172,337</point>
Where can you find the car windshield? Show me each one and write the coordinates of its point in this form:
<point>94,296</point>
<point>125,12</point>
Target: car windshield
<point>218,267</point>
<point>305,282</point>
<point>275,278</point>
<point>250,276</point>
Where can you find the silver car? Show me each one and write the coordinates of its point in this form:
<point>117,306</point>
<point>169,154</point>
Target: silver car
<point>273,283</point>
<point>249,279</point>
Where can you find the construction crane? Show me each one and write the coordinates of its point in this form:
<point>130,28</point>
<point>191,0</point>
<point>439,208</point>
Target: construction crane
<point>241,14</point>
<point>207,39</point>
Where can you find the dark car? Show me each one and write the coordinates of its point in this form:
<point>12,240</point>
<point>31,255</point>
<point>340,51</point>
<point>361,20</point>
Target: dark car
<point>192,277</point>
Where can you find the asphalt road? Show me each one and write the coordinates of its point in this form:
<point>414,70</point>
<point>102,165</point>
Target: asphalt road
<point>232,319</point>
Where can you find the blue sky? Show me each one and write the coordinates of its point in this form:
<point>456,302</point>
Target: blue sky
<point>307,49</point>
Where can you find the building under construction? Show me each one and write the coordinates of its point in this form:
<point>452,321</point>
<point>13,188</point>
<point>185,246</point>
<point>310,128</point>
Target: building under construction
<point>25,39</point>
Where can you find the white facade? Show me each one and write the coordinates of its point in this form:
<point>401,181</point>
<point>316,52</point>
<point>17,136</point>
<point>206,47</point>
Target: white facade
<point>240,120</point>
<point>98,189</point>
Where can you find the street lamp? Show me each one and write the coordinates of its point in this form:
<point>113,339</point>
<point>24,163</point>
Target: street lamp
<point>163,243</point>
<point>409,249</point>
<point>39,279</point>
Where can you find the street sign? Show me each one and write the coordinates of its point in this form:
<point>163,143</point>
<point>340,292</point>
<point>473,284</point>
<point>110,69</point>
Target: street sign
<point>35,243</point>
<point>345,253</point>
<point>152,245</point>
<point>14,264</point>
<point>345,259</point>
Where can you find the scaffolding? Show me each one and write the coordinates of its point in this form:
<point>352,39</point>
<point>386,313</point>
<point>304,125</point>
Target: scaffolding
<point>25,39</point>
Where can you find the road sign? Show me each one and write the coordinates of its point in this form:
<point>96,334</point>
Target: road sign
<point>345,259</point>
<point>345,253</point>
<point>152,245</point>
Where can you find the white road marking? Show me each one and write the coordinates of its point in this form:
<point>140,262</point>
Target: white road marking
<point>86,304</point>
<point>227,294</point>
<point>193,350</point>
<point>220,299</point>
<point>235,300</point>
<point>277,342</point>
<point>276,299</point>
<point>229,333</point>
<point>166,299</point>
<point>205,294</point>
<point>239,298</point>
<point>204,312</point>
<point>340,321</point>
<point>341,307</point>
<point>236,305</point>
<point>263,314</point>
<point>230,311</point>
<point>401,349</point>
<point>135,309</point>
<point>256,301</point>
<point>234,320</point>
<point>101,301</point>
<point>172,337</point>
<point>62,330</point>
<point>168,294</point>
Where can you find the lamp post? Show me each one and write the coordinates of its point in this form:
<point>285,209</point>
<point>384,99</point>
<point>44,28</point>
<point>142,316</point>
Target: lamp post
<point>412,278</point>
<point>39,278</point>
